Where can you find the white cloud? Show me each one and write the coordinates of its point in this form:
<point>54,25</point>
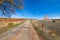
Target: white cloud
<point>55,18</point>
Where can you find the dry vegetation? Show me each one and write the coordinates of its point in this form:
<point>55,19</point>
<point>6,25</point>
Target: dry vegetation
<point>51,33</point>
<point>6,24</point>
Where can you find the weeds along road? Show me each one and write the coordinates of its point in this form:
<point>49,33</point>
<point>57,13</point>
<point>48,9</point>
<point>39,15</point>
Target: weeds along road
<point>22,32</point>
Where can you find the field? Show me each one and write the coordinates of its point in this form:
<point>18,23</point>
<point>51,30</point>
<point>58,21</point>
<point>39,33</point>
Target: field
<point>46,29</point>
<point>8,23</point>
<point>49,30</point>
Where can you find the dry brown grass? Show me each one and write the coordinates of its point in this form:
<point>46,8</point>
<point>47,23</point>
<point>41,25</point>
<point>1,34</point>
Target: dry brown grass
<point>53,28</point>
<point>6,24</point>
<point>5,21</point>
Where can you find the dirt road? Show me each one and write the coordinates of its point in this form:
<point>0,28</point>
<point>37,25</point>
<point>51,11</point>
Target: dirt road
<point>21,32</point>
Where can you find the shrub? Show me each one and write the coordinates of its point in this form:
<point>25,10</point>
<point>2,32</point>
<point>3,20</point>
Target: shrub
<point>53,21</point>
<point>10,24</point>
<point>36,27</point>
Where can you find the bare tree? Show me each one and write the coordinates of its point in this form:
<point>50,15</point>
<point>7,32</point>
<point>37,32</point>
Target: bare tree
<point>8,7</point>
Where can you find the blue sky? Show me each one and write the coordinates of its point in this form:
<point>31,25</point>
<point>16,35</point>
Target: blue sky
<point>37,9</point>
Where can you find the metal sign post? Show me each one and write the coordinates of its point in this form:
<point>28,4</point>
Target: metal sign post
<point>46,22</point>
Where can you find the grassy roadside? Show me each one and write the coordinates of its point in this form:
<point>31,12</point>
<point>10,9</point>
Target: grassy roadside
<point>36,27</point>
<point>9,26</point>
<point>53,30</point>
<point>39,32</point>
